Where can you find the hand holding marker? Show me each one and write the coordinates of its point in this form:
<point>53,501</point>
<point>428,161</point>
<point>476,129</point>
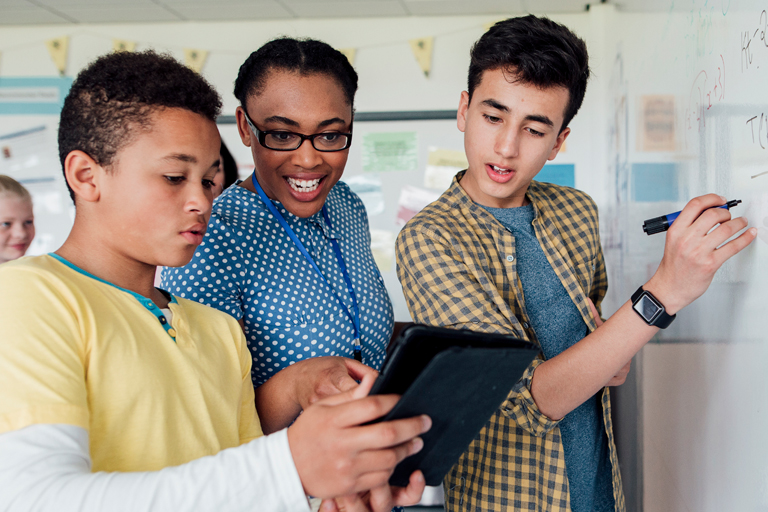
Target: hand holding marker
<point>659,224</point>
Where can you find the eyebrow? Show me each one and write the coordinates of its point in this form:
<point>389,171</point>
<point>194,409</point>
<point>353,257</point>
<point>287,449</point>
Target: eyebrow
<point>291,122</point>
<point>183,157</point>
<point>532,117</point>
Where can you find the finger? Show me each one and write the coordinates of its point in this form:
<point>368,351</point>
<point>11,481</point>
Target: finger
<point>388,434</point>
<point>358,370</point>
<point>346,382</point>
<point>595,314</point>
<point>373,461</point>
<point>372,480</point>
<point>381,499</point>
<point>724,231</point>
<point>709,219</point>
<point>694,209</point>
<point>411,495</point>
<point>351,503</point>
<point>329,506</point>
<point>735,246</point>
<point>360,391</point>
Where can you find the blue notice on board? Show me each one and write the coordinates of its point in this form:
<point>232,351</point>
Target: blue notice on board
<point>559,174</point>
<point>23,96</point>
<point>653,182</point>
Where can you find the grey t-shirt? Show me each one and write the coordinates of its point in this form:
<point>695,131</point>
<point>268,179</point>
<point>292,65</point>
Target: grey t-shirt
<point>558,325</point>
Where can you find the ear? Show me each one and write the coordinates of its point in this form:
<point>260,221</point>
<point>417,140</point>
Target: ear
<point>82,174</point>
<point>559,143</point>
<point>461,116</point>
<point>242,126</point>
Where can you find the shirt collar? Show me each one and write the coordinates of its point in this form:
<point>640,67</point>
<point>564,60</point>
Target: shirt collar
<point>457,193</point>
<point>316,220</point>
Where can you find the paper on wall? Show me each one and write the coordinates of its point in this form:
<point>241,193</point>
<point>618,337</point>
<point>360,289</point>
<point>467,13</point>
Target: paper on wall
<point>412,201</point>
<point>657,118</point>
<point>30,155</point>
<point>390,151</point>
<point>368,188</point>
<point>383,248</point>
<point>442,166</point>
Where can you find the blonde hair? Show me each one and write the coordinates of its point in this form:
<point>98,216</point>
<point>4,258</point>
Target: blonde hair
<point>9,185</point>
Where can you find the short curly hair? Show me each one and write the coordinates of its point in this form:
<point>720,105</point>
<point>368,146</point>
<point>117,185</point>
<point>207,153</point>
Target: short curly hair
<point>304,56</point>
<point>115,96</point>
<point>536,51</point>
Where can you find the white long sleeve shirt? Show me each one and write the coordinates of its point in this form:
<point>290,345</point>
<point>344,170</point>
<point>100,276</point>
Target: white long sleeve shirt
<point>47,467</point>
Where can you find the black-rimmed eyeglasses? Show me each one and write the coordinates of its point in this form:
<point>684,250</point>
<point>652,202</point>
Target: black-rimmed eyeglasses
<point>281,140</point>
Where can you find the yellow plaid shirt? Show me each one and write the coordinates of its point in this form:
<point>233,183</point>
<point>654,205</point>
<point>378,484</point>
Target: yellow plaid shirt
<point>453,260</point>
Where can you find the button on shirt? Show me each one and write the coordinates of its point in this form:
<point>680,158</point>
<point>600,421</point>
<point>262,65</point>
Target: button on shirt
<point>247,266</point>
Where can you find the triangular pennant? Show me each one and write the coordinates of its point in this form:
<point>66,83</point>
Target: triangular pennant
<point>121,45</point>
<point>422,50</point>
<point>488,26</point>
<point>349,53</point>
<point>195,59</point>
<point>58,50</point>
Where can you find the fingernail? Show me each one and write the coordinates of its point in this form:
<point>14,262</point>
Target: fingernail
<point>722,199</point>
<point>426,422</point>
<point>417,445</point>
<point>753,231</point>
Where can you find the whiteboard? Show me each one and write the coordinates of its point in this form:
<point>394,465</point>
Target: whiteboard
<point>695,420</point>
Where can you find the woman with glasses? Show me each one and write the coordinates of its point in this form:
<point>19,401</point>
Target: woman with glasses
<point>287,251</point>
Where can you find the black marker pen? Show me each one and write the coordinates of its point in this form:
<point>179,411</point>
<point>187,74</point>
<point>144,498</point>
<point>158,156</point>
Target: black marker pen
<point>659,224</point>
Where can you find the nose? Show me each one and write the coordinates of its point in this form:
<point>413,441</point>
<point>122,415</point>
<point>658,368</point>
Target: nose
<point>19,231</point>
<point>199,199</point>
<point>508,143</point>
<point>306,156</point>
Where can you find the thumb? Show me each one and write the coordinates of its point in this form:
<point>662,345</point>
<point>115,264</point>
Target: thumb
<point>358,392</point>
<point>595,314</point>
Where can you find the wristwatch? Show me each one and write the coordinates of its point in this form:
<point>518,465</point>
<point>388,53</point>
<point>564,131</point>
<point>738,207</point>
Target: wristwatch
<point>651,309</point>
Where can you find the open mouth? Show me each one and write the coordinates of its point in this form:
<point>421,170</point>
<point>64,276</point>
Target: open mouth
<point>304,185</point>
<point>500,170</point>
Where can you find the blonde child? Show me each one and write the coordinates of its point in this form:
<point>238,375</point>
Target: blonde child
<point>17,222</point>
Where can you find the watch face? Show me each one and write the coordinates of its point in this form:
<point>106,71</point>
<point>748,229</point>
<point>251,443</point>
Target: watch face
<point>647,307</point>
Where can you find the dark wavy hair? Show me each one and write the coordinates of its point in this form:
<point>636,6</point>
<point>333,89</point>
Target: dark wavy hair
<point>305,56</point>
<point>535,51</point>
<point>114,97</point>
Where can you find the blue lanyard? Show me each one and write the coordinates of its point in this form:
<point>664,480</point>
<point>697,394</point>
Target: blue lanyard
<point>356,345</point>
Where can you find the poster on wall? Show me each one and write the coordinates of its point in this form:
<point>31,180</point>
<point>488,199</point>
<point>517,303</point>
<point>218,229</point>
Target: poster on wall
<point>390,151</point>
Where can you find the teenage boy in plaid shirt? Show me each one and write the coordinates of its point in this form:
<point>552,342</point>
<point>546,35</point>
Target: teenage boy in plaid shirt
<point>501,253</point>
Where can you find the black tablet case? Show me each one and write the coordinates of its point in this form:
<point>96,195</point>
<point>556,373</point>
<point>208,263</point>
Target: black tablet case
<point>460,389</point>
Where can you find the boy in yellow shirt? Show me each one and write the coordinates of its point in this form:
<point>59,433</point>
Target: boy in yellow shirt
<point>116,395</point>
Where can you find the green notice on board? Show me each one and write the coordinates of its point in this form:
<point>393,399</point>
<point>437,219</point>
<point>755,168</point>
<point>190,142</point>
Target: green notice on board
<point>390,151</point>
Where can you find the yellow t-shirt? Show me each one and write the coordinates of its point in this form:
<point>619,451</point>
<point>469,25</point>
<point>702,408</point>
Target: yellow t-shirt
<point>79,351</point>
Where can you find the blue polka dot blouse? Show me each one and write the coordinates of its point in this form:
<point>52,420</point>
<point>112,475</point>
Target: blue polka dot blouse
<point>248,267</point>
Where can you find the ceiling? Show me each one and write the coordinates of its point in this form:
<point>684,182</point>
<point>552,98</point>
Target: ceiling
<point>37,12</point>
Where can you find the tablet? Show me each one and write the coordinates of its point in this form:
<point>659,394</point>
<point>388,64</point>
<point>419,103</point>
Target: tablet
<point>457,377</point>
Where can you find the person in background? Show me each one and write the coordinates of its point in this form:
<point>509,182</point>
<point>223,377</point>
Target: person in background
<point>116,395</point>
<point>501,253</point>
<point>288,250</point>
<point>227,173</point>
<point>17,220</point>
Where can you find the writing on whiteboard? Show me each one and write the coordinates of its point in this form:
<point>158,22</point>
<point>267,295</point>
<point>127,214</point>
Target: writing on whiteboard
<point>706,90</point>
<point>753,41</point>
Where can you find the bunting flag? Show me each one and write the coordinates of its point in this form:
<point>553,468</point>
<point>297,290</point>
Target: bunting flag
<point>349,53</point>
<point>195,59</point>
<point>121,45</point>
<point>58,49</point>
<point>422,50</point>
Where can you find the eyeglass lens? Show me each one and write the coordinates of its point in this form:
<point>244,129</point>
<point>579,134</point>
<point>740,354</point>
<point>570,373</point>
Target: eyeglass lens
<point>321,141</point>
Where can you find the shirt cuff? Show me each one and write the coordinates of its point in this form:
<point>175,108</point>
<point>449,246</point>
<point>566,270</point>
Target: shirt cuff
<point>286,476</point>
